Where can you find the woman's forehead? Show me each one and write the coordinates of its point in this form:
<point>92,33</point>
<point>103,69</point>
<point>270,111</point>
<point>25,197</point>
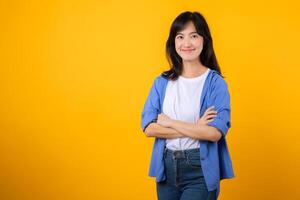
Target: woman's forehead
<point>188,28</point>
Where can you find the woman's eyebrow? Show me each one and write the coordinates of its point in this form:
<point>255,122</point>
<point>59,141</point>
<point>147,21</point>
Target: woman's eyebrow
<point>179,33</point>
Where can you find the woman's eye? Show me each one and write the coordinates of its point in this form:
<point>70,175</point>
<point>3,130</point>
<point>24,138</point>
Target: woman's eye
<point>179,37</point>
<point>194,36</point>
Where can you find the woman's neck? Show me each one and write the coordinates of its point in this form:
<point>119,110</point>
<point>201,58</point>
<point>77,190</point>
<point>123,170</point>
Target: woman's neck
<point>193,69</point>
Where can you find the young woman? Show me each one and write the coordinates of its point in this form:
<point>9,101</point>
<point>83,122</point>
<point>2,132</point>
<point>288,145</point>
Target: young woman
<point>188,113</point>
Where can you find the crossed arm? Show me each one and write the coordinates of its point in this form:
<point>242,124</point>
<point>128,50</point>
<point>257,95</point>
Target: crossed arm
<point>205,128</point>
<point>156,130</point>
<point>170,129</point>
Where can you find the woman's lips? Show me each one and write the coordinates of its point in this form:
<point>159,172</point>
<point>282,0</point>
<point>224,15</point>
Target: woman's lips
<point>187,50</point>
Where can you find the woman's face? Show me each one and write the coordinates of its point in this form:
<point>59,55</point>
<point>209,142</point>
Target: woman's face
<point>189,43</point>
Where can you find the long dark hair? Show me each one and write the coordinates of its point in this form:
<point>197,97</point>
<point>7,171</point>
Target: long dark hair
<point>207,57</point>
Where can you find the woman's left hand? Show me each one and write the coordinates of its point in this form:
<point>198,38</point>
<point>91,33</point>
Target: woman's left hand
<point>164,120</point>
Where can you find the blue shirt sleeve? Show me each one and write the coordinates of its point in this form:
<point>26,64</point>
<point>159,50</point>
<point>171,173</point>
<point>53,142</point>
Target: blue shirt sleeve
<point>220,98</point>
<point>151,107</point>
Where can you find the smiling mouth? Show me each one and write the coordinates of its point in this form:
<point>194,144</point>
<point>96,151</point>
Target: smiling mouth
<point>187,50</point>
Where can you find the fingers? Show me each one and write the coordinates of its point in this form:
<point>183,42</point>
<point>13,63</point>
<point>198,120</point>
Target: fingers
<point>210,120</point>
<point>210,111</point>
<point>211,116</point>
<point>208,115</point>
<point>204,121</point>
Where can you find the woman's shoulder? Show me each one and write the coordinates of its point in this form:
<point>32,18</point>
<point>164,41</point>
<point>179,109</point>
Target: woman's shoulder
<point>160,78</point>
<point>159,81</point>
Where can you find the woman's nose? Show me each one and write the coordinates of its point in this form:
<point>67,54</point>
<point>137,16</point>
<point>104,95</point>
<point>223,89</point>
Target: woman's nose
<point>187,43</point>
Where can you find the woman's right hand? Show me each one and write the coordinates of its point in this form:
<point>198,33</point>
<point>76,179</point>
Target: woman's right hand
<point>208,116</point>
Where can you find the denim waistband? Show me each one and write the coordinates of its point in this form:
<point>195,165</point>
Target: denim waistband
<point>181,153</point>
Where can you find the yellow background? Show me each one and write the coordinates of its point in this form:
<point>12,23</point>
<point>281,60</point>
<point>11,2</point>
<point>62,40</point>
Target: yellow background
<point>74,76</point>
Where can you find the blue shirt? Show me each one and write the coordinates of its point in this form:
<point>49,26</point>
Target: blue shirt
<point>214,156</point>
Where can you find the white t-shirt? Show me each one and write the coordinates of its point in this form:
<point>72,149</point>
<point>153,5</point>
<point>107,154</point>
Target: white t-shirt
<point>182,102</point>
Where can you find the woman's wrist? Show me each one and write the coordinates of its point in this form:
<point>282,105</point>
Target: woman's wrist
<point>172,123</point>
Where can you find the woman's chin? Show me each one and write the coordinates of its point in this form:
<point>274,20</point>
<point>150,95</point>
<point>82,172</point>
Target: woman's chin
<point>189,59</point>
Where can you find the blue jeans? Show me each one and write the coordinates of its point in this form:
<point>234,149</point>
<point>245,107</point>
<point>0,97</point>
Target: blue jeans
<point>184,177</point>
